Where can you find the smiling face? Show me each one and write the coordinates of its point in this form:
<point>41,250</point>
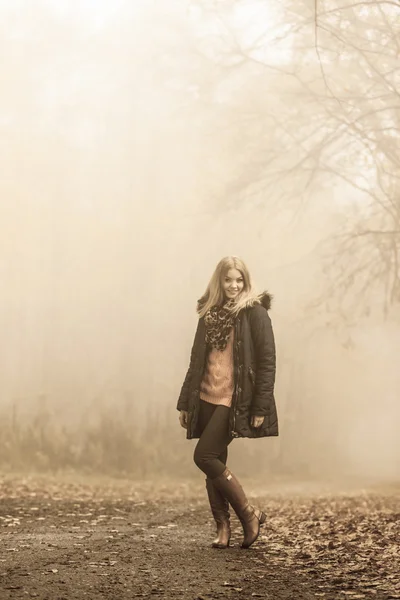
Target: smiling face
<point>232,283</point>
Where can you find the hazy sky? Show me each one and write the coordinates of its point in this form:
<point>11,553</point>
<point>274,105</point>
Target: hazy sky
<point>122,153</point>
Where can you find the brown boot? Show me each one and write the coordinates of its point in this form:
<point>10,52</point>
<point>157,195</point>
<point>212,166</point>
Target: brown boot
<point>220,510</point>
<point>250,517</point>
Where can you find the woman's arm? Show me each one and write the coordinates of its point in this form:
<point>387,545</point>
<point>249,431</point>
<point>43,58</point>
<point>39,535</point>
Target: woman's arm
<point>183,396</point>
<point>264,347</point>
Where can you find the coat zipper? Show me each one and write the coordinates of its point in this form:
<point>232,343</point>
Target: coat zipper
<point>236,375</point>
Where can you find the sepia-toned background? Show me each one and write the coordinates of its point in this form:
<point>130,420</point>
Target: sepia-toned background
<point>142,141</point>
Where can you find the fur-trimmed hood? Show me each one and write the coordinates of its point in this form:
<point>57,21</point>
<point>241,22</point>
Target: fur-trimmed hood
<point>265,299</point>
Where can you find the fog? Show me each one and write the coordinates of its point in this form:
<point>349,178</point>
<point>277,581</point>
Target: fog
<point>138,147</point>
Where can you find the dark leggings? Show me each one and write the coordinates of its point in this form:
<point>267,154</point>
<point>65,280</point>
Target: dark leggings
<point>211,451</point>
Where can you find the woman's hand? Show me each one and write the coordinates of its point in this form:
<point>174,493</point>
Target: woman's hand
<point>183,415</point>
<point>256,421</point>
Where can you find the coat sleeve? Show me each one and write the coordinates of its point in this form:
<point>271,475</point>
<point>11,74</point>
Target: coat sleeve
<point>184,395</point>
<point>264,348</point>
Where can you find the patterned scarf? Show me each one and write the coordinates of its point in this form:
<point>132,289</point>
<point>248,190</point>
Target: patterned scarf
<point>219,321</point>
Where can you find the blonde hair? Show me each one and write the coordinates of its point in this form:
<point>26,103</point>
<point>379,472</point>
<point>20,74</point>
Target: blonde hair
<point>214,293</point>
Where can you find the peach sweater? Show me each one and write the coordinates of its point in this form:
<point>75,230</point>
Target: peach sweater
<point>218,381</point>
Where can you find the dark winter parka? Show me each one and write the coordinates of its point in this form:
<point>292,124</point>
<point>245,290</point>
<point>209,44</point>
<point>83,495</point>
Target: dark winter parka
<point>254,374</point>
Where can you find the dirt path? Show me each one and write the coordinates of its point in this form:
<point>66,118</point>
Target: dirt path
<point>64,539</point>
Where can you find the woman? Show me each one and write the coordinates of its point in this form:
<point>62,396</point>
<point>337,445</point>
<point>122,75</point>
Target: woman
<point>228,390</point>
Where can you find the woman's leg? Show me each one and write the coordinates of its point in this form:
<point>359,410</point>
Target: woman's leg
<point>223,457</point>
<point>218,503</point>
<point>222,485</point>
<point>213,442</point>
<point>205,413</point>
<point>250,517</point>
<point>211,450</point>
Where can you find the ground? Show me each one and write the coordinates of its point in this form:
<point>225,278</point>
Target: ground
<point>70,537</point>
